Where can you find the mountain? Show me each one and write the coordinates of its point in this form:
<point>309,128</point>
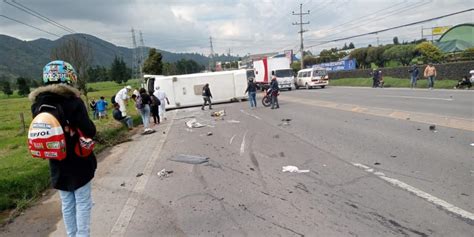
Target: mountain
<point>27,58</point>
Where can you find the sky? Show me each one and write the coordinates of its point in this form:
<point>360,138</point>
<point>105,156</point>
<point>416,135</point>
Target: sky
<point>240,27</point>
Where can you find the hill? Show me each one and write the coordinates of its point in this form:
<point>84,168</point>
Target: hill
<point>27,58</point>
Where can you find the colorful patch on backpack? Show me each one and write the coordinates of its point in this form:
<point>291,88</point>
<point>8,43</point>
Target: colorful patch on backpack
<point>46,138</point>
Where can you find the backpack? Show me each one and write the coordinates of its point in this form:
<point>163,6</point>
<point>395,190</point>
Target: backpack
<point>155,101</point>
<point>46,138</point>
<point>138,102</point>
<point>113,99</point>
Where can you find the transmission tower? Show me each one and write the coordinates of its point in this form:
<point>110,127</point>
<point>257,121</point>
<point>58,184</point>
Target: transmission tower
<point>211,57</point>
<point>135,57</point>
<point>142,54</point>
<point>301,23</point>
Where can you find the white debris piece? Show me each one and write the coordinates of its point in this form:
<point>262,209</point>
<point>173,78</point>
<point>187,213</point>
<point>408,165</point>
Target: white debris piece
<point>293,169</point>
<point>194,124</point>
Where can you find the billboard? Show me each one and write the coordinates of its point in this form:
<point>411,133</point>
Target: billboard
<point>439,30</point>
<point>344,65</point>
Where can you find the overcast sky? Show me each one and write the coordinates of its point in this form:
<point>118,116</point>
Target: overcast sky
<point>241,26</point>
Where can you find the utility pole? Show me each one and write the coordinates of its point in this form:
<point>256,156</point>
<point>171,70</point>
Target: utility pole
<point>142,54</point>
<point>211,57</point>
<point>301,23</point>
<point>135,60</point>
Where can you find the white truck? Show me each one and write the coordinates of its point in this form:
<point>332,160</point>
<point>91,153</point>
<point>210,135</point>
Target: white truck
<point>278,67</point>
<point>186,90</point>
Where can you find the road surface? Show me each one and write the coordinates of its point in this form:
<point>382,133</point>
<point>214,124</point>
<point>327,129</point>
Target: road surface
<point>375,169</point>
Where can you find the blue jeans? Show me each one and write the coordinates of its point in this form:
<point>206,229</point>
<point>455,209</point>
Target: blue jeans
<point>253,99</point>
<point>145,113</point>
<point>413,81</point>
<point>431,80</point>
<point>76,208</point>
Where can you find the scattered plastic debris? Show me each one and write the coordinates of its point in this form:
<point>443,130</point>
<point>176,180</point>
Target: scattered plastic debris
<point>233,121</point>
<point>193,123</point>
<point>122,184</point>
<point>209,134</point>
<point>190,159</point>
<point>164,173</point>
<point>139,174</point>
<point>433,128</point>
<point>293,169</point>
<point>472,144</point>
<point>150,131</point>
<point>252,169</point>
<point>286,120</point>
<point>376,163</point>
<point>218,113</point>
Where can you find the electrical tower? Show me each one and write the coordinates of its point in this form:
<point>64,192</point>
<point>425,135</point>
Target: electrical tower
<point>301,23</point>
<point>142,54</point>
<point>211,57</point>
<point>135,57</point>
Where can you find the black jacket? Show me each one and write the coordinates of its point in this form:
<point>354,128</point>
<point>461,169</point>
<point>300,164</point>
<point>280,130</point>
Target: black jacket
<point>73,172</point>
<point>251,87</point>
<point>206,91</point>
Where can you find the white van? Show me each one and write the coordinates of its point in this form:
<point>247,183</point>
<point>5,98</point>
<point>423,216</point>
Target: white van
<point>312,77</point>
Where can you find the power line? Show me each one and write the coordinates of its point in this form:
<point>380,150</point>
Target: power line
<point>395,27</point>
<point>23,23</point>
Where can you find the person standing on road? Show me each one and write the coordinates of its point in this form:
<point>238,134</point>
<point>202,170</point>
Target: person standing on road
<point>143,102</point>
<point>252,90</point>
<point>206,96</point>
<point>161,95</point>
<point>274,93</point>
<point>375,78</point>
<point>430,73</point>
<point>121,98</point>
<point>155,103</point>
<point>71,176</point>
<point>414,72</point>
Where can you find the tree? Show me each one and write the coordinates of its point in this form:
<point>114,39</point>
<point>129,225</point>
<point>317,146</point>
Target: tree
<point>351,45</point>
<point>169,69</point>
<point>153,64</point>
<point>375,55</point>
<point>429,53</point>
<point>468,53</point>
<point>360,56</point>
<point>7,90</point>
<point>79,55</point>
<point>345,47</point>
<point>395,40</point>
<point>401,53</point>
<point>98,73</point>
<point>184,66</point>
<point>119,71</point>
<point>23,87</point>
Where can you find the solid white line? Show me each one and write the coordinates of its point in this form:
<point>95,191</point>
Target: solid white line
<point>415,97</point>
<point>251,115</point>
<point>428,197</point>
<point>242,145</point>
<point>231,139</point>
<point>120,226</point>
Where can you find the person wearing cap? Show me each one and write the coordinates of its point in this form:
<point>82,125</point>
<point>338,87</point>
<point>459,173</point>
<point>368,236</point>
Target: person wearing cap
<point>275,90</point>
<point>414,72</point>
<point>430,73</point>
<point>121,98</point>
<point>161,95</point>
<point>72,176</point>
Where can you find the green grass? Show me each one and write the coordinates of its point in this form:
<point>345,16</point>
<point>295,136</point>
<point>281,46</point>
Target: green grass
<point>392,82</point>
<point>23,178</point>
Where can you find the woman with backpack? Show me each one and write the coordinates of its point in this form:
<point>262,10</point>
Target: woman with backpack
<point>143,102</point>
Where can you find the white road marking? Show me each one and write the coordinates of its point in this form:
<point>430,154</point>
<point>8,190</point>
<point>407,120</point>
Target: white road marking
<point>120,226</point>
<point>231,139</point>
<point>415,97</point>
<point>242,145</point>
<point>251,115</point>
<point>428,197</point>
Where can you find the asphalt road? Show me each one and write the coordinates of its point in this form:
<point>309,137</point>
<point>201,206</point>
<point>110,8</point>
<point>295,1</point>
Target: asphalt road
<point>375,169</point>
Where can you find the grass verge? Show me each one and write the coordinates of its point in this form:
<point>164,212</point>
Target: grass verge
<point>392,82</point>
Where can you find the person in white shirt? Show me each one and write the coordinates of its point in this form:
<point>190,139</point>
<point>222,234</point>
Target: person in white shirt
<point>161,95</point>
<point>121,98</point>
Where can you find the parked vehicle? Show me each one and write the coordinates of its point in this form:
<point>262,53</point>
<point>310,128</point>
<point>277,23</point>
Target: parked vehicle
<point>472,76</point>
<point>278,67</point>
<point>186,90</point>
<point>312,77</point>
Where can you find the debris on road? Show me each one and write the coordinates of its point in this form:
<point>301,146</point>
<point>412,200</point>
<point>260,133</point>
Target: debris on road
<point>190,159</point>
<point>408,118</point>
<point>376,163</point>
<point>164,173</point>
<point>393,156</point>
<point>252,169</point>
<point>209,134</point>
<point>233,121</point>
<point>293,169</point>
<point>139,174</point>
<point>122,184</point>
<point>193,123</point>
<point>472,144</point>
<point>146,132</point>
<point>220,113</point>
<point>432,128</point>
<point>286,120</point>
